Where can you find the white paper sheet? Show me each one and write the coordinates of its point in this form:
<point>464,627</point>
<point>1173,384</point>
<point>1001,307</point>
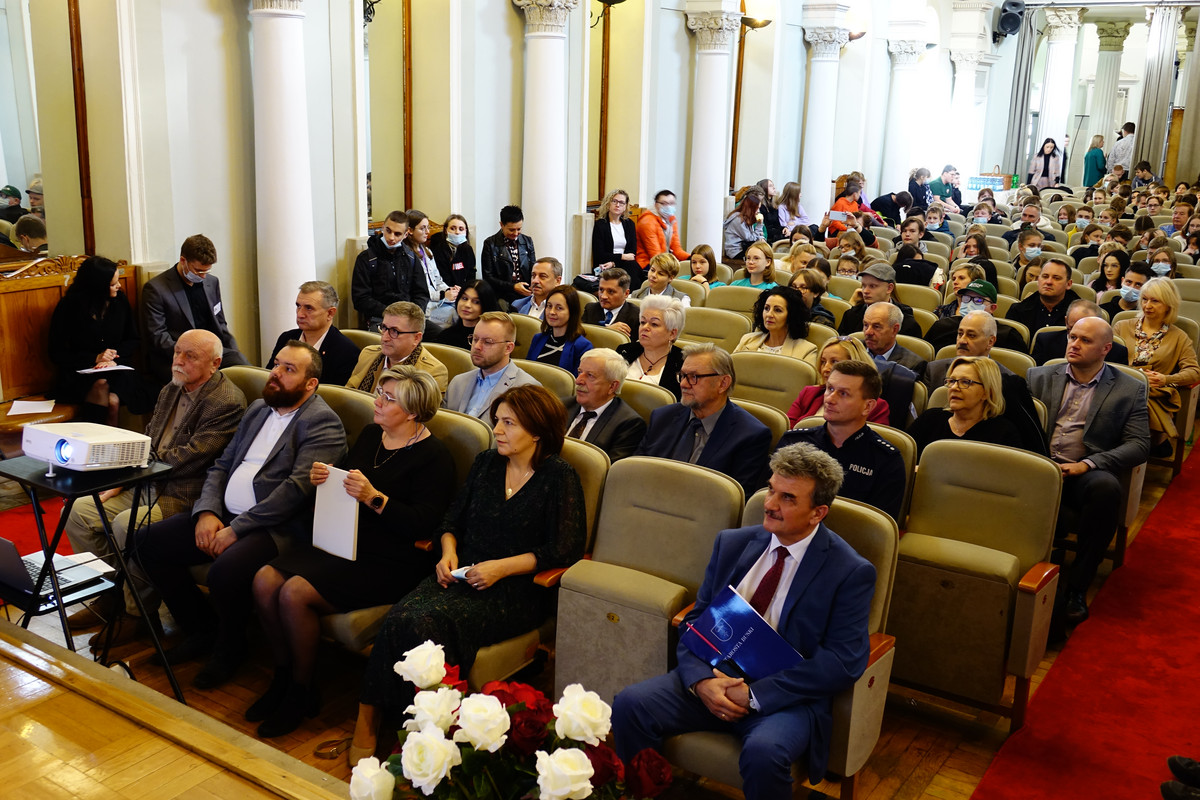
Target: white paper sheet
<point>335,523</point>
<point>30,407</point>
<point>113,368</point>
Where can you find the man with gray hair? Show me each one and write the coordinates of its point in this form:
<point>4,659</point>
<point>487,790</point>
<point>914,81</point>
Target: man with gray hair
<point>546,274</point>
<point>316,306</point>
<point>597,415</point>
<point>976,337</point>
<point>400,335</point>
<point>704,427</point>
<point>976,296</point>
<point>194,419</point>
<point>815,591</point>
<point>881,324</point>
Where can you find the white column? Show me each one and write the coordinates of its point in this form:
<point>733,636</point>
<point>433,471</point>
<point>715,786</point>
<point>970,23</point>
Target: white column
<point>816,164</point>
<point>903,116</point>
<point>1186,34</point>
<point>544,154</point>
<point>968,142</point>
<point>282,173</point>
<point>705,209</point>
<point>1108,76</point>
<point>1062,31</point>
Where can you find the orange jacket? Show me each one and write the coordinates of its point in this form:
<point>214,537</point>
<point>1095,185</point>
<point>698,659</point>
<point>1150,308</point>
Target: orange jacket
<point>835,227</point>
<point>652,238</point>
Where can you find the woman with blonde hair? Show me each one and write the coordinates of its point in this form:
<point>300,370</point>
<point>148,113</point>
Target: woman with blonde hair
<point>1094,162</point>
<point>972,413</point>
<point>614,237</point>
<point>852,242</point>
<point>810,401</point>
<point>663,269</point>
<point>760,267</point>
<point>791,213</point>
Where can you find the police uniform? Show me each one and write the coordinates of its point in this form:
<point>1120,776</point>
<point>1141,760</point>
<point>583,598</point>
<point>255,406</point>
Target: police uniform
<point>873,467</point>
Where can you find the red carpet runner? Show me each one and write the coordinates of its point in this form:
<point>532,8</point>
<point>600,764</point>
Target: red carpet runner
<point>19,527</point>
<point>1122,695</point>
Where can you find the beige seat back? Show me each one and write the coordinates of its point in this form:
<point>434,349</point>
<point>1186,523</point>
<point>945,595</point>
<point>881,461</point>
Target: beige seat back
<point>719,326</point>
<point>465,436</point>
<point>918,296</point>
<point>361,339</point>
<point>1019,327</point>
<point>738,299</point>
<point>591,464</point>
<point>557,380</point>
<point>836,307</point>
<point>250,380</point>
<point>696,293</point>
<point>645,397</point>
<point>456,360</point>
<point>924,319</point>
<point>819,334</point>
<point>843,286</point>
<point>354,408</point>
<point>770,416</point>
<point>527,328</point>
<point>601,336</point>
<point>771,379</point>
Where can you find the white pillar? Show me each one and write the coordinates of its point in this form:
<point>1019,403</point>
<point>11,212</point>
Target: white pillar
<point>282,172</point>
<point>1186,34</point>
<point>903,116</point>
<point>816,164</point>
<point>544,154</point>
<point>1062,32</point>
<point>1108,77</point>
<point>705,209</point>
<point>968,142</point>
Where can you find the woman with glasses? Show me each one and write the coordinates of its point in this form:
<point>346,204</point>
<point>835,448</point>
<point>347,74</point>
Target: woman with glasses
<point>654,358</point>
<point>403,479</point>
<point>475,300</point>
<point>811,400</point>
<point>614,237</point>
<point>972,413</point>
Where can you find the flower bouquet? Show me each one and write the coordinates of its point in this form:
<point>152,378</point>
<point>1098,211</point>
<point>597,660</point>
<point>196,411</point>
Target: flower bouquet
<point>504,743</point>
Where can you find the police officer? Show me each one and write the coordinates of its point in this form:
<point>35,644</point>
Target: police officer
<point>874,469</point>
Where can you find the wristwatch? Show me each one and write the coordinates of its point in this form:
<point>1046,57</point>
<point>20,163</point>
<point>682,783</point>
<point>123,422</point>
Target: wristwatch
<point>377,502</point>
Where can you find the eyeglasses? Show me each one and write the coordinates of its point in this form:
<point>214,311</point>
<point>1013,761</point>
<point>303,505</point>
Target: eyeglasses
<point>692,378</point>
<point>385,397</point>
<point>472,339</point>
<point>393,333</point>
<point>965,383</point>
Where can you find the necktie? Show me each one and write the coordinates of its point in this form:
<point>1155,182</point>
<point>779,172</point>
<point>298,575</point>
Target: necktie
<point>761,600</point>
<point>581,424</point>
<point>687,442</point>
<point>608,317</point>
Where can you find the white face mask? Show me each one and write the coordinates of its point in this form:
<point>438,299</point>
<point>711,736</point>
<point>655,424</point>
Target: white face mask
<point>456,238</point>
<point>192,277</point>
<point>1160,269</point>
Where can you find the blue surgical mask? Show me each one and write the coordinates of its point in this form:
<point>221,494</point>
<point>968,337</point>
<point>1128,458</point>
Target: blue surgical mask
<point>666,211</point>
<point>1131,294</point>
<point>1064,221</point>
<point>1032,252</point>
<point>392,246</point>
<point>1160,269</point>
<point>456,238</point>
<point>968,304</point>
<point>981,220</point>
<point>192,277</point>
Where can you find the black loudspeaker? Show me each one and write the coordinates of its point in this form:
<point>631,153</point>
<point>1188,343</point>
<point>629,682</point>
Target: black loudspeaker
<point>1009,21</point>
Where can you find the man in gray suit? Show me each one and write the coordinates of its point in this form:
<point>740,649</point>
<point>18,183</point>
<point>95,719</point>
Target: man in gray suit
<point>257,490</point>
<point>182,298</point>
<point>881,324</point>
<point>491,351</point>
<point>1100,428</point>
<point>597,415</point>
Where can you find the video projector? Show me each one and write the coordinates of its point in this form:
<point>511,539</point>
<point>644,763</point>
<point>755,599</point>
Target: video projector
<point>85,446</point>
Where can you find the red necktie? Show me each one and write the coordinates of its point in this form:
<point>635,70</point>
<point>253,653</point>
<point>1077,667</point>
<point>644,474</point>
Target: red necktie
<point>761,600</point>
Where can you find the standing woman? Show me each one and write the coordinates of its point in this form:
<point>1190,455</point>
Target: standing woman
<point>452,251</point>
<point>1046,168</point>
<point>440,311</point>
<point>614,237</point>
<point>743,227</point>
<point>654,358</point>
<point>475,300</point>
<point>918,188</point>
<point>770,211</point>
<point>1093,162</point>
<point>780,325</point>
<point>791,214</point>
<point>93,327</point>
<point>561,341</point>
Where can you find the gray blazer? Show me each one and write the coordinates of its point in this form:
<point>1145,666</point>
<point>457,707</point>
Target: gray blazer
<point>169,315</point>
<point>458,394</point>
<point>935,371</point>
<point>907,358</point>
<point>281,486</point>
<point>1117,434</point>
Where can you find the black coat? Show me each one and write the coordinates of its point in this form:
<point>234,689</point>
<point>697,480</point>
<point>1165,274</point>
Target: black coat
<point>670,372</point>
<point>382,277</point>
<point>498,267</point>
<point>602,249</point>
<point>457,264</point>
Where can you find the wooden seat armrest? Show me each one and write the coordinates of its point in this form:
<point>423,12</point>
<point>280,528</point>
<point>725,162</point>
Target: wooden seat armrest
<point>1038,576</point>
<point>677,620</point>
<point>549,578</point>
<point>880,644</point>
<point>424,544</point>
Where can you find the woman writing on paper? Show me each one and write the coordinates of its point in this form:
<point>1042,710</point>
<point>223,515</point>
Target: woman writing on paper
<point>403,478</point>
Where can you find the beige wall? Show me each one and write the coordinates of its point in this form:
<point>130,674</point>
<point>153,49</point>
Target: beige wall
<point>385,52</point>
<point>431,111</point>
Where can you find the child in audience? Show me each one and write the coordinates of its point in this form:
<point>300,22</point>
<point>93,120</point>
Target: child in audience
<point>704,267</point>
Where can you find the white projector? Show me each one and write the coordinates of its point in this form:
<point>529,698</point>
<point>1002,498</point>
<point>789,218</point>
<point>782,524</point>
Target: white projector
<point>85,446</point>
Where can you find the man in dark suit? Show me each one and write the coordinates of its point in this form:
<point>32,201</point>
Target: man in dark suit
<point>881,324</point>
<point>184,297</point>
<point>507,257</point>
<point>614,309</point>
<point>316,306</point>
<point>1053,344</point>
<point>597,415</point>
<point>704,427</point>
<point>1099,427</point>
<point>257,490</point>
<point>1048,305</point>
<point>815,591</point>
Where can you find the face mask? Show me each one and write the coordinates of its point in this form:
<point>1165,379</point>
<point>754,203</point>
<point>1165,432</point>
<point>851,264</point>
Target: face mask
<point>852,277</point>
<point>966,305</point>
<point>1160,269</point>
<point>456,238</point>
<point>666,211</point>
<point>392,246</point>
<point>1064,221</point>
<point>981,220</point>
<point>1032,252</point>
<point>1130,294</point>
<point>192,277</point>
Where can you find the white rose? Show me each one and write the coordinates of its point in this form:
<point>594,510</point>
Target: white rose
<point>424,665</point>
<point>483,722</point>
<point>564,775</point>
<point>427,757</point>
<point>582,715</point>
<point>370,781</point>
<point>434,708</point>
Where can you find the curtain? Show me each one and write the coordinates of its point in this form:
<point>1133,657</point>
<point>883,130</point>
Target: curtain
<point>1189,154</point>
<point>1154,113</point>
<point>1018,104</point>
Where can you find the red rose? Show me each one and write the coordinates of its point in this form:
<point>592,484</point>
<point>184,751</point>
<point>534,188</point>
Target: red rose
<point>649,774</point>
<point>512,693</point>
<point>453,681</point>
<point>528,730</point>
<point>606,766</point>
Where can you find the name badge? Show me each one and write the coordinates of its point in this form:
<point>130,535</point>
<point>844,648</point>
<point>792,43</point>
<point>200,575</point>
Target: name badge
<point>217,308</point>
<point>457,265</point>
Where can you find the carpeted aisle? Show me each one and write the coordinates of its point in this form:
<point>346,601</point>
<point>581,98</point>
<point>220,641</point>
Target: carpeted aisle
<point>1123,694</point>
<point>19,526</point>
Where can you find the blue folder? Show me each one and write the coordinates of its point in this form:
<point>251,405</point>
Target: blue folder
<point>731,636</point>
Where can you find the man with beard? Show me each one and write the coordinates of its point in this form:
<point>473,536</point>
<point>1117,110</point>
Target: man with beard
<point>194,418</point>
<point>254,496</point>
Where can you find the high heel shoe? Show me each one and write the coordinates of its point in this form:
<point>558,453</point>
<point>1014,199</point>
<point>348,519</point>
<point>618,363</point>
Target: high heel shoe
<point>357,754</point>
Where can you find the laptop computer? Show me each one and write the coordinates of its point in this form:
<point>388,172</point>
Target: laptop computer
<point>20,574</point>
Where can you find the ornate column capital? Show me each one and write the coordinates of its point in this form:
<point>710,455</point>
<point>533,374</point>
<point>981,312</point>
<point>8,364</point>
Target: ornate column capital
<point>966,58</point>
<point>546,16</point>
<point>281,7</point>
<point>714,29</point>
<point>1063,24</point>
<point>1112,35</point>
<point>905,52</point>
<point>827,42</point>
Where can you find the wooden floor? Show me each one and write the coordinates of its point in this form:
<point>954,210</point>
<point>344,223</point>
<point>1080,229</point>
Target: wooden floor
<point>929,748</point>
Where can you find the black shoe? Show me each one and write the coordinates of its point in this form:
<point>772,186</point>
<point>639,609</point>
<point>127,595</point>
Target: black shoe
<point>270,702</point>
<point>1187,770</point>
<point>1077,610</point>
<point>1162,450</point>
<point>1174,790</point>
<point>219,669</point>
<point>300,704</point>
<point>190,649</point>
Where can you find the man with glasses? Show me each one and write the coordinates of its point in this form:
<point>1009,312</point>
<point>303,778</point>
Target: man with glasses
<point>1031,217</point>
<point>975,296</point>
<point>491,351</point>
<point>400,336</point>
<point>316,306</point>
<point>183,298</point>
<point>658,230</point>
<point>704,427</point>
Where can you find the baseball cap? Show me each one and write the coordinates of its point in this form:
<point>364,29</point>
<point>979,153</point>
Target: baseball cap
<point>11,191</point>
<point>881,272</point>
<point>35,187</point>
<point>984,288</point>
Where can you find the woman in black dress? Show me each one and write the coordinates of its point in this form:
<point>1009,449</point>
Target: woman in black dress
<point>521,510</point>
<point>973,411</point>
<point>93,328</point>
<point>452,251</point>
<point>475,300</point>
<point>403,478</point>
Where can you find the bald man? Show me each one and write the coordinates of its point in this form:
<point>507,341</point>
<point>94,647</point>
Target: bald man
<point>194,418</point>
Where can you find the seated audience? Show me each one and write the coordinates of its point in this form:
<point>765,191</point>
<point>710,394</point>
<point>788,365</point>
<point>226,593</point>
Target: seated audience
<point>561,341</point>
<point>810,283</point>
<point>400,336</point>
<point>29,234</point>
<point>1031,217</point>
<point>10,205</point>
<point>1133,277</point>
<point>743,227</point>
<point>912,231</point>
<point>546,274</point>
<point>973,410</point>
<point>780,325</point>
<point>256,491</point>
<point>613,309</point>
<point>760,267</point>
<point>1029,274</point>
<point>881,325</point>
<point>384,273</point>
<point>520,510</point>
<point>1162,261</point>
<point>1190,227</point>
<point>1029,248</point>
<point>402,477</point>
<point>614,236</point>
<point>439,308</point>
<point>653,357</point>
<point>792,216</point>
<point>316,306</point>
<point>507,257</point>
<point>943,189</point>
<point>705,428</point>
<point>935,219</point>
<point>664,268</point>
<point>452,251</point>
<point>811,400</point>
<point>918,189</point>
<point>704,262</point>
<point>912,268</point>
<point>491,352</point>
<point>961,274</point>
<point>878,286</point>
<point>1048,305</point>
<point>658,231</point>
<point>770,211</point>
<point>1048,345</point>
<point>975,296</point>
<point>475,300</point>
<point>784,717</point>
<point>597,415</point>
<point>845,204</point>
